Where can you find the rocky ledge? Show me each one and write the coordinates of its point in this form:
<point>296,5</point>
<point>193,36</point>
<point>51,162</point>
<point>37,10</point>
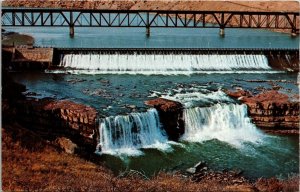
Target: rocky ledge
<point>64,123</point>
<point>271,110</point>
<point>170,114</point>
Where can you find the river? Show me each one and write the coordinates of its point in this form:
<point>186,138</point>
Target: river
<point>223,135</point>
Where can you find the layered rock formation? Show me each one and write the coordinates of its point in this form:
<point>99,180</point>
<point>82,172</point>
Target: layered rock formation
<point>53,119</point>
<point>271,110</point>
<point>170,114</point>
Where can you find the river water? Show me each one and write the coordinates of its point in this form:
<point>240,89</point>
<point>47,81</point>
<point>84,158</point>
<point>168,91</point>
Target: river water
<point>218,129</point>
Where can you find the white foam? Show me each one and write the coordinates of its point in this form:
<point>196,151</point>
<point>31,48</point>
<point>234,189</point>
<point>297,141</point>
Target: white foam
<point>190,99</point>
<point>187,73</point>
<point>226,122</point>
<point>127,134</point>
<point>171,63</point>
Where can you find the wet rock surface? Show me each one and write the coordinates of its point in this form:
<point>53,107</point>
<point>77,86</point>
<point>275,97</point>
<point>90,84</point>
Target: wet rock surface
<point>232,179</point>
<point>170,114</point>
<point>271,110</point>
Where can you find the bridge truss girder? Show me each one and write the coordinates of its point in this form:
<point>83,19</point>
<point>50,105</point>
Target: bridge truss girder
<point>130,18</point>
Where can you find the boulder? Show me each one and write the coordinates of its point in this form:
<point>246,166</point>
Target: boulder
<point>66,145</point>
<point>238,94</point>
<point>170,114</point>
<point>199,167</point>
<point>191,170</point>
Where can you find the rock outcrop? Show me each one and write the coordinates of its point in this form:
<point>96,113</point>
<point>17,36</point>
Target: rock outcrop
<point>66,145</point>
<point>284,61</point>
<point>271,110</point>
<point>53,119</point>
<point>170,113</point>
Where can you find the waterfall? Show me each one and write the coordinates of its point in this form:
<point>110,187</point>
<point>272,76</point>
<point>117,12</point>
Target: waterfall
<point>226,122</point>
<point>129,133</point>
<point>155,63</point>
<point>198,97</point>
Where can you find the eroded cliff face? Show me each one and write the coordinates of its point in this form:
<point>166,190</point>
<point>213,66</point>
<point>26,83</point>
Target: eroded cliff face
<point>53,119</point>
<point>170,115</point>
<point>271,110</point>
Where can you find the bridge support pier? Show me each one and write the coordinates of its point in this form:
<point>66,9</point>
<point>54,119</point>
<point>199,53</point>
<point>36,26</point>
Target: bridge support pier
<point>72,31</point>
<point>148,31</point>
<point>222,32</point>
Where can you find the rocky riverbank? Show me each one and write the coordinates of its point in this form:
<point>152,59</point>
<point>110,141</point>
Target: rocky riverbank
<point>11,39</point>
<point>164,5</point>
<point>271,110</point>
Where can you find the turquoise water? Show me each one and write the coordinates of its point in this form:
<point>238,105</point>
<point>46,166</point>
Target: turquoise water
<point>264,160</point>
<point>160,38</point>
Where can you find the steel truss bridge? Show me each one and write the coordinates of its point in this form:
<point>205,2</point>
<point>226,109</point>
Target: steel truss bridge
<point>72,18</point>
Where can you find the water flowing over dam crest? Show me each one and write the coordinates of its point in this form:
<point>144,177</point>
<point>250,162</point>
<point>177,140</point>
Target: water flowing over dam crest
<point>184,61</point>
<point>164,63</point>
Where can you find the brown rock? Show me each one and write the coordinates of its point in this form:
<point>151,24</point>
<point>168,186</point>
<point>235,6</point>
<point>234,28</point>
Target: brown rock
<point>268,97</point>
<point>272,110</point>
<point>66,144</point>
<point>238,93</point>
<point>164,105</point>
<point>170,113</point>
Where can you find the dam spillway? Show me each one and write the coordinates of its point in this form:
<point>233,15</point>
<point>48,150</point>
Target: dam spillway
<point>174,60</point>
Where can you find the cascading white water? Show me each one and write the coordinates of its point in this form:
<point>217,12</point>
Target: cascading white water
<point>226,122</point>
<point>198,97</point>
<point>127,134</point>
<point>159,63</point>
